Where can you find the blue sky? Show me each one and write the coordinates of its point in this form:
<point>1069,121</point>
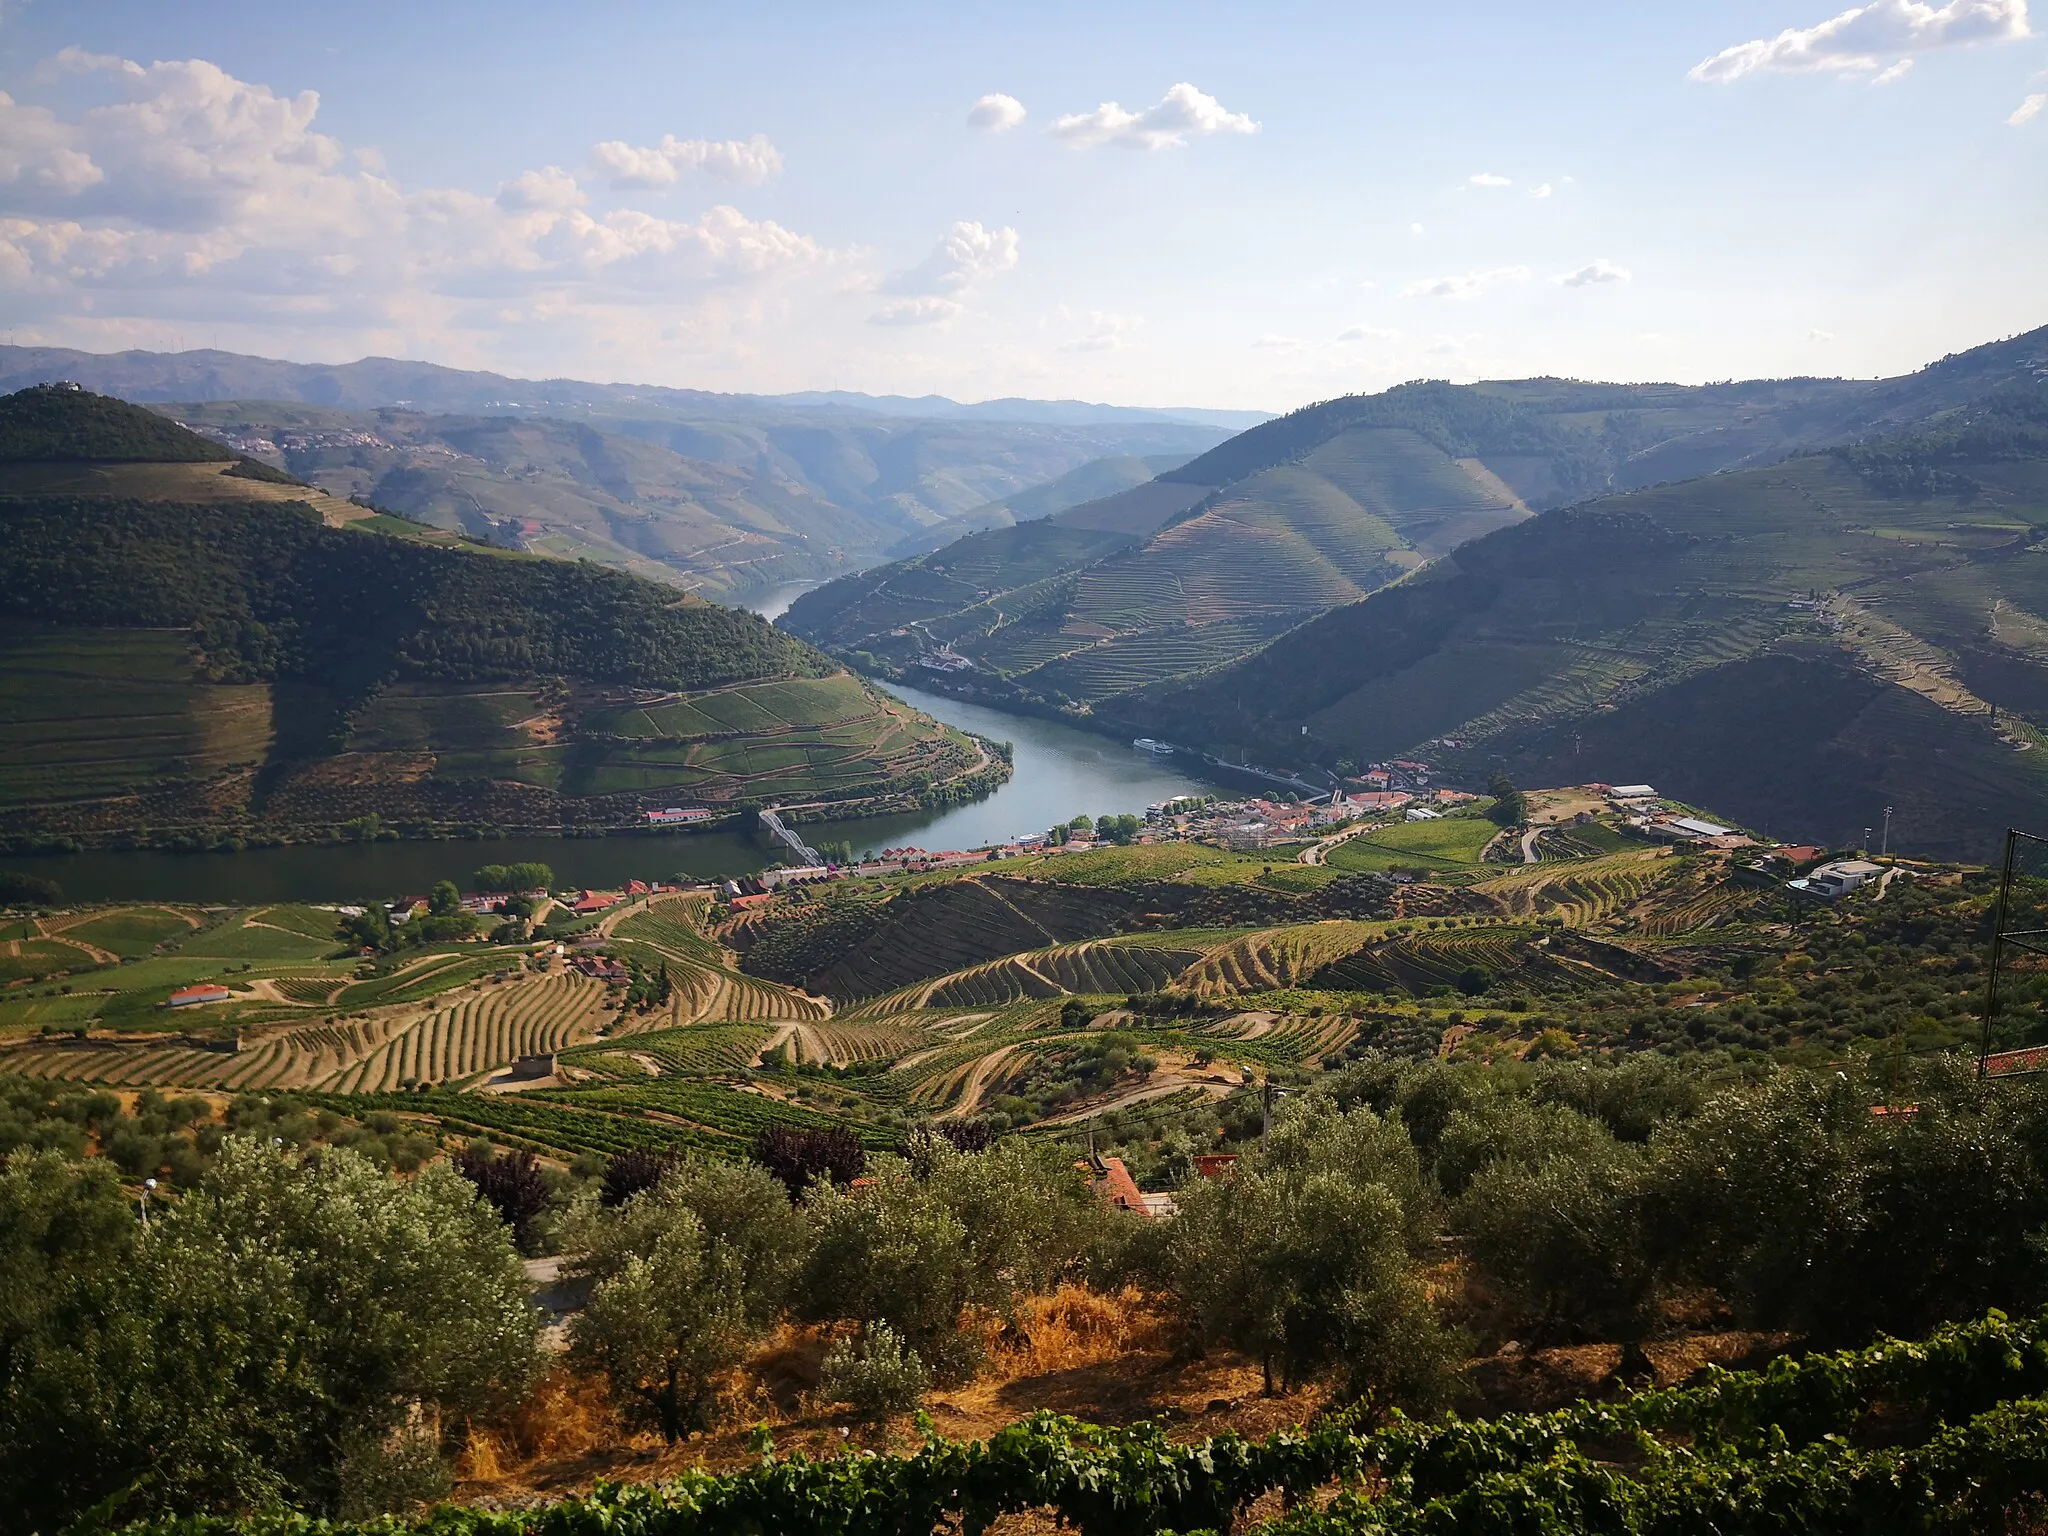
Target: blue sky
<point>1286,202</point>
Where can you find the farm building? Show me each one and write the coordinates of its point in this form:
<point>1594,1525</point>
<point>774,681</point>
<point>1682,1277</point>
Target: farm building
<point>1631,792</point>
<point>678,815</point>
<point>1698,828</point>
<point>193,997</point>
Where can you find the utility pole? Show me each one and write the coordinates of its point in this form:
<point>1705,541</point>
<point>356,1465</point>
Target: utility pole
<point>1266,1113</point>
<point>148,1185</point>
<point>1887,847</point>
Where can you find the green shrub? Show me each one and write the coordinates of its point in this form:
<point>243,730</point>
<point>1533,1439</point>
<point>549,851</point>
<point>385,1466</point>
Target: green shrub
<point>876,1376</point>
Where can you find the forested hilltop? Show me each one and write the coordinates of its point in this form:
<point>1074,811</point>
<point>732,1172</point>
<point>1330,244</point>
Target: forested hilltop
<point>205,653</point>
<point>1082,610</point>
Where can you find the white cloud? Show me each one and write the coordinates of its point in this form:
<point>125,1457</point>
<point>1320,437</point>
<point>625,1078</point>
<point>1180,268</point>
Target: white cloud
<point>1102,331</point>
<point>2027,110</point>
<point>1542,191</point>
<point>932,289</point>
<point>996,113</point>
<point>1862,39</point>
<point>1414,229</point>
<point>1601,271</point>
<point>1359,333</point>
<point>176,192</point>
<point>1819,337</point>
<point>550,187</point>
<point>926,310</point>
<point>653,167</point>
<point>966,254</point>
<point>1183,112</point>
<point>1896,73</point>
<point>1464,285</point>
<point>1488,179</point>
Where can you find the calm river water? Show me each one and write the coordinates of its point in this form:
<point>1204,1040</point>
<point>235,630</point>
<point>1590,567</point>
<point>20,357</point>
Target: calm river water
<point>1061,773</point>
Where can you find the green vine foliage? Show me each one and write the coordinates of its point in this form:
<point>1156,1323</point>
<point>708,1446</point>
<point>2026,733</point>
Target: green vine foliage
<point>1949,1435</point>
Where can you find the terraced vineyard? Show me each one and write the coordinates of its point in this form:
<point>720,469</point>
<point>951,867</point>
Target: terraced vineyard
<point>691,1050</point>
<point>708,984</point>
<point>518,1120</point>
<point>482,1031</point>
<point>1228,994</point>
<point>294,1058</point>
<point>1278,957</point>
<point>1721,902</point>
<point>705,1106</point>
<point>1583,894</point>
<point>1095,967</point>
<point>1289,1041</point>
<point>1450,961</point>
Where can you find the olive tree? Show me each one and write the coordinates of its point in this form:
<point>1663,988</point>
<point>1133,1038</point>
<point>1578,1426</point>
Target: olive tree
<point>977,1229</point>
<point>1303,1260</point>
<point>689,1274</point>
<point>270,1335</point>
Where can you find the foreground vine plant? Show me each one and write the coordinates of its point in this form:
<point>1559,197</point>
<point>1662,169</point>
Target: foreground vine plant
<point>1965,1415</point>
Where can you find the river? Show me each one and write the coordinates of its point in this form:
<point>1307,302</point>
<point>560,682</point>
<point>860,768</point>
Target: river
<point>1060,773</point>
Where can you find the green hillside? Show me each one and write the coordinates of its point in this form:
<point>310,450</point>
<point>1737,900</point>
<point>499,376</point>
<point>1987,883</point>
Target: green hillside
<point>60,422</point>
<point>1801,645</point>
<point>230,667</point>
<point>1314,510</point>
<point>1091,482</point>
<point>720,507</point>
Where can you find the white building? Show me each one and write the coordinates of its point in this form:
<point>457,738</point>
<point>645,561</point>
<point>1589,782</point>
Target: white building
<point>1842,876</point>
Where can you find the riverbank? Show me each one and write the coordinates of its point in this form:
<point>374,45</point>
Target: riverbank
<point>1056,773</point>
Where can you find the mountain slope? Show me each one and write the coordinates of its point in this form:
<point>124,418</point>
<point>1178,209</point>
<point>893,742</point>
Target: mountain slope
<point>722,494</point>
<point>1093,481</point>
<point>235,661</point>
<point>1810,642</point>
<point>1315,509</point>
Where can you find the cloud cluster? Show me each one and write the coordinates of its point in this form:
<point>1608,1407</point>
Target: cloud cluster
<point>996,113</point>
<point>1488,180</point>
<point>1601,271</point>
<point>1181,114</point>
<point>1863,39</point>
<point>2027,110</point>
<point>933,289</point>
<point>1467,285</point>
<point>1101,331</point>
<point>653,167</point>
<point>183,193</point>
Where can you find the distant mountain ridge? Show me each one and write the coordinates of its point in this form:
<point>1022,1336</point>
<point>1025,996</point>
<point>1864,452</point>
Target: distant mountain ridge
<point>1316,509</point>
<point>722,494</point>
<point>367,383</point>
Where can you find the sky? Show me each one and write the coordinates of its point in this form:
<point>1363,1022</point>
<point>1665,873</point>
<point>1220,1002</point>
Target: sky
<point>1244,206</point>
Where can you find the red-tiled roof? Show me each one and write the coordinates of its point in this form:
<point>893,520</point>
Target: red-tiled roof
<point>1113,1182</point>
